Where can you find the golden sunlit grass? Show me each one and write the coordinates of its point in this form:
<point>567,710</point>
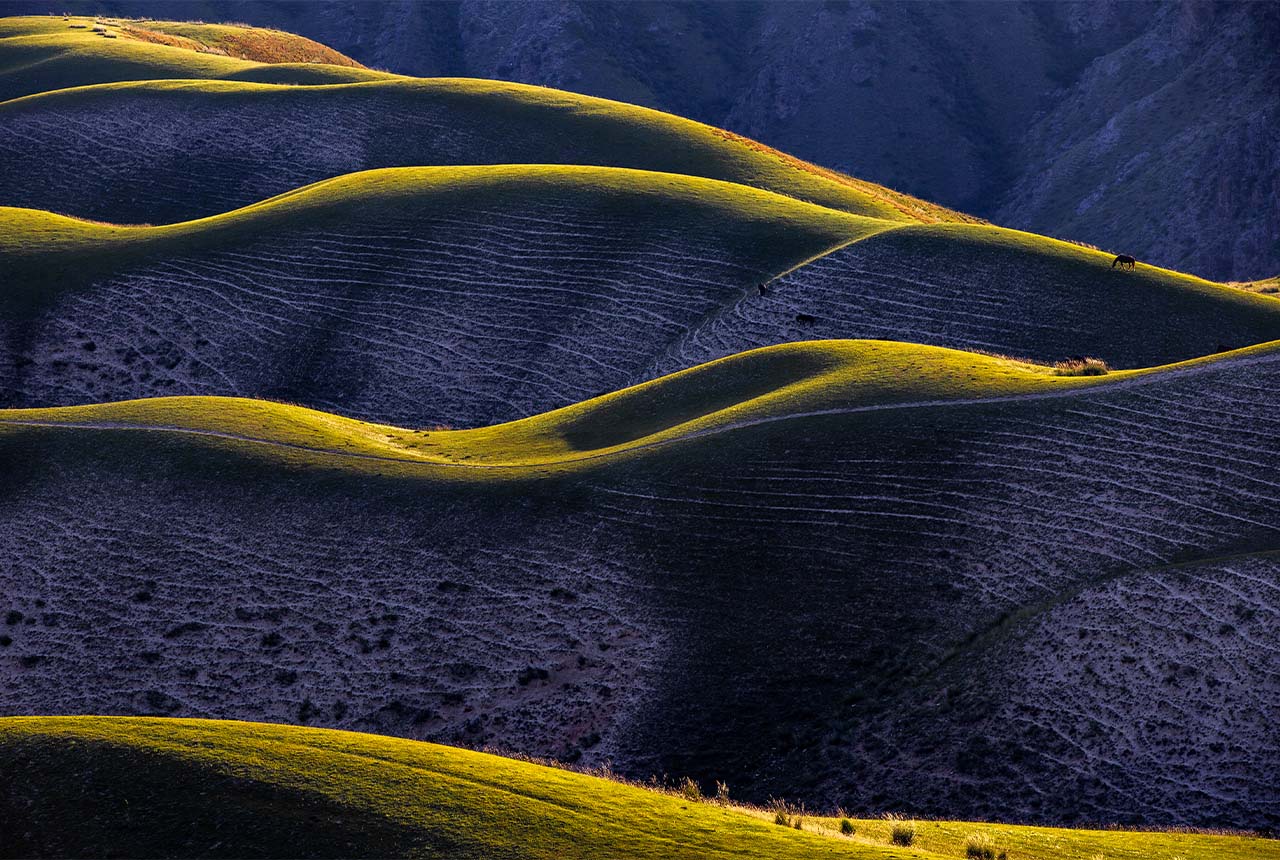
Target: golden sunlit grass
<point>741,393</point>
<point>296,791</point>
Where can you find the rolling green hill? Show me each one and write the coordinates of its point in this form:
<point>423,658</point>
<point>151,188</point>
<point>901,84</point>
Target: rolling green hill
<point>198,148</point>
<point>780,383</point>
<point>771,571</point>
<point>38,54</point>
<point>507,422</point>
<point>434,295</point>
<point>232,789</point>
<point>468,296</point>
<point>226,789</point>
<point>984,287</point>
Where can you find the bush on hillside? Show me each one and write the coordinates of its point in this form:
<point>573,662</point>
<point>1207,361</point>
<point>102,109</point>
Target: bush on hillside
<point>1083,244</point>
<point>722,793</point>
<point>904,831</point>
<point>980,846</point>
<point>1086,366</point>
<point>846,827</point>
<point>689,790</point>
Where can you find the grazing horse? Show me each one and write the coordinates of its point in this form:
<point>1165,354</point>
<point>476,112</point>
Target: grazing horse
<point>1124,261</point>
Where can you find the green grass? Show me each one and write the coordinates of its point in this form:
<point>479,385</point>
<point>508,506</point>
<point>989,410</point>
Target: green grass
<point>1266,286</point>
<point>950,838</point>
<point>40,54</point>
<point>42,252</point>
<point>1152,313</point>
<point>166,787</point>
<point>538,123</point>
<point>735,394</point>
<point>161,783</point>
<point>256,44</point>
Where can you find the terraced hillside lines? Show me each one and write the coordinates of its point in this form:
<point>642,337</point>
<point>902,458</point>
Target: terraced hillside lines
<point>225,789</point>
<point>165,151</point>
<point>428,295</point>
<point>40,54</point>
<point>467,296</point>
<point>1203,630</point>
<point>977,516</point>
<point>780,606</point>
<point>976,287</point>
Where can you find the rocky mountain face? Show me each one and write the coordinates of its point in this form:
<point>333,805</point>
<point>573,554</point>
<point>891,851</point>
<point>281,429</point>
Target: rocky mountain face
<point>1146,128</point>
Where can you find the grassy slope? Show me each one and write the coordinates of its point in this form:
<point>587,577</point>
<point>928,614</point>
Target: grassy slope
<point>256,44</point>
<point>225,788</point>
<point>948,838</point>
<point>394,797</point>
<point>748,390</point>
<point>1147,311</point>
<point>1266,286</point>
<point>612,133</point>
<point>41,251</point>
<point>39,54</point>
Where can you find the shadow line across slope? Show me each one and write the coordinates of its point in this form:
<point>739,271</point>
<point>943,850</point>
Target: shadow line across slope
<point>810,380</point>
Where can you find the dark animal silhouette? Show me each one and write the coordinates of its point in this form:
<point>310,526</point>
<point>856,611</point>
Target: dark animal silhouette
<point>1124,261</point>
<point>806,319</point>
<point>764,290</point>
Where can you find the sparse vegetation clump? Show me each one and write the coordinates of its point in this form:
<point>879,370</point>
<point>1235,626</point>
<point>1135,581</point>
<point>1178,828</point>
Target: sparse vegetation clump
<point>981,846</point>
<point>722,793</point>
<point>904,830</point>
<point>846,827</point>
<point>1083,366</point>
<point>690,790</point>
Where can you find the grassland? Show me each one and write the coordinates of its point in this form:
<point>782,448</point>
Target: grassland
<point>43,253</point>
<point>255,788</point>
<point>1038,291</point>
<point>222,788</point>
<point>1265,286</point>
<point>761,387</point>
<point>372,195</point>
<point>39,54</point>
<point>43,60</point>
<point>950,839</point>
<point>255,44</point>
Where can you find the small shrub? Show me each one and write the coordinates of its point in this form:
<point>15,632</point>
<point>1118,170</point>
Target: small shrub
<point>781,813</point>
<point>1083,244</point>
<point>689,790</point>
<point>797,823</point>
<point>980,846</point>
<point>904,832</point>
<point>722,793</point>
<point>846,827</point>
<point>1084,366</point>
